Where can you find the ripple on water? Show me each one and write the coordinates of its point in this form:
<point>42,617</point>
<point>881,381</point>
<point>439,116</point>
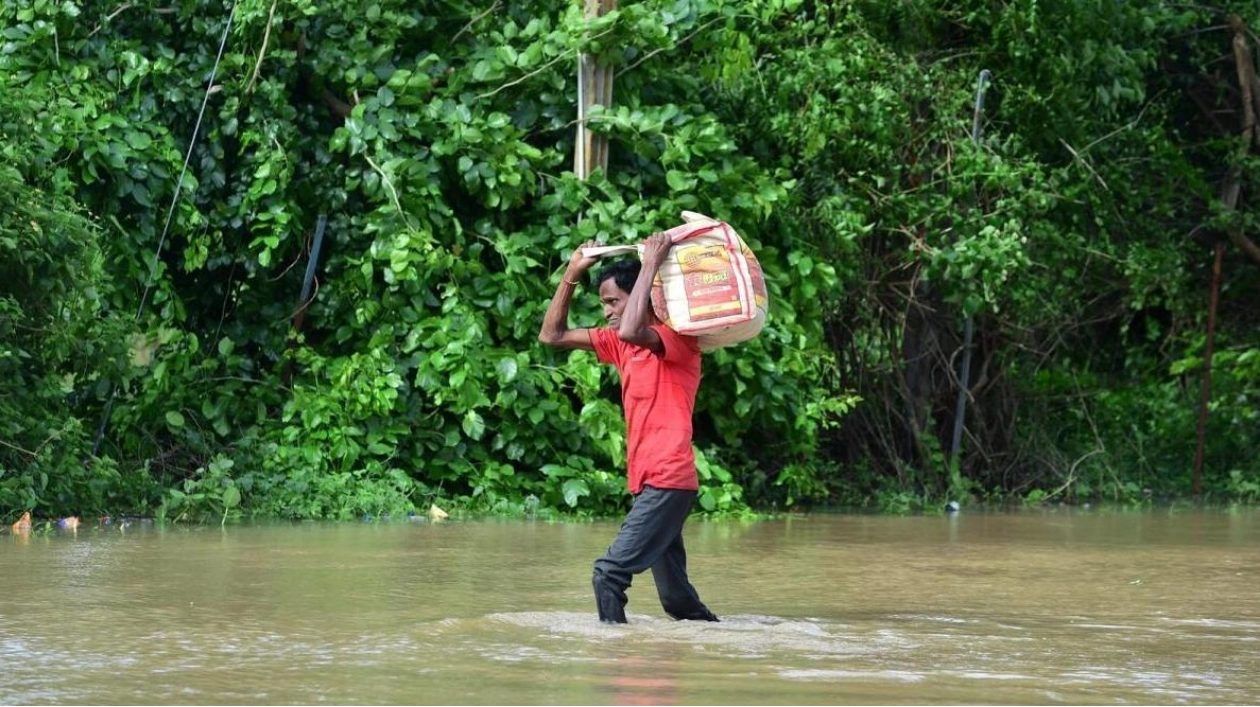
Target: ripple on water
<point>1249,626</point>
<point>740,636</point>
<point>862,675</point>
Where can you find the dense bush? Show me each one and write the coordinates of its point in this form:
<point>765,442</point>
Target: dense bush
<point>55,332</point>
<point>437,138</point>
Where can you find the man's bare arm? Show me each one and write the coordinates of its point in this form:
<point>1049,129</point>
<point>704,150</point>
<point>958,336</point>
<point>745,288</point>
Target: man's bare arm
<point>637,320</point>
<point>555,327</point>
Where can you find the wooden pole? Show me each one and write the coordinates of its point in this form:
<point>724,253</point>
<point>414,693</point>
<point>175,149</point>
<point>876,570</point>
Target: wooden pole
<point>590,151</point>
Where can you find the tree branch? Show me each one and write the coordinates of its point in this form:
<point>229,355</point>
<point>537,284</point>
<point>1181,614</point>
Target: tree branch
<point>19,449</point>
<point>121,9</point>
<point>1247,245</point>
<point>681,42</point>
<point>263,51</point>
<point>1245,66</point>
<point>340,108</point>
<point>475,20</point>
<point>535,72</point>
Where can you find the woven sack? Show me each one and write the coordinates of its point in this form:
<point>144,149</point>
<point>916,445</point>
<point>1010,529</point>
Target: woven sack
<point>710,284</point>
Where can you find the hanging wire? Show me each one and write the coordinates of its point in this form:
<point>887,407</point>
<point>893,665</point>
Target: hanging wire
<point>192,143</point>
<point>170,213</point>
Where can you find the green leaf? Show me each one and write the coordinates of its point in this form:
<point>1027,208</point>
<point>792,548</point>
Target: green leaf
<point>574,489</point>
<point>678,181</point>
<point>507,369</point>
<point>473,425</point>
<point>174,419</point>
<point>555,470</point>
<point>231,497</point>
<point>139,140</point>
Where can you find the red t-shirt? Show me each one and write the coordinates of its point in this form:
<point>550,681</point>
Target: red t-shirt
<point>659,395</point>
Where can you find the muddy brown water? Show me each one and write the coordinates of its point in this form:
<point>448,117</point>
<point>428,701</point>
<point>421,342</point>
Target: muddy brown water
<point>1042,607</point>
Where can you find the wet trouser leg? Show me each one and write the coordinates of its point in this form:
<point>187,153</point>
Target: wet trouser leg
<point>678,598</point>
<point>650,537</point>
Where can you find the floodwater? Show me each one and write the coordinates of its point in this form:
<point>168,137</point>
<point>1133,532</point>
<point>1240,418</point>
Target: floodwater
<point>1043,607</point>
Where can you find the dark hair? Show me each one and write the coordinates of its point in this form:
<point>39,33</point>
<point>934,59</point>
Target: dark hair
<point>622,272</point>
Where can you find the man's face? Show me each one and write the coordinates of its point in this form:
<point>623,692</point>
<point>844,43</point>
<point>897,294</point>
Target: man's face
<point>614,300</point>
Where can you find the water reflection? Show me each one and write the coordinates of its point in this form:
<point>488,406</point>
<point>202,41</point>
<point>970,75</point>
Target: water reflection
<point>649,679</point>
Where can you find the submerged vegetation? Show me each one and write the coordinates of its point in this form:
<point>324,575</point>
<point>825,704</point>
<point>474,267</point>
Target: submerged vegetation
<point>1098,236</point>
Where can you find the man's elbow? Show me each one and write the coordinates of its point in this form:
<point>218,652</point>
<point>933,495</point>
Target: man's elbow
<point>556,337</point>
<point>636,335</point>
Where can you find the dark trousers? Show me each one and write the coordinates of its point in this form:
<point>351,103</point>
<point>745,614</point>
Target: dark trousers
<point>650,537</point>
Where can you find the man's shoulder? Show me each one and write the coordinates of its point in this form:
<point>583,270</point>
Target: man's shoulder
<point>608,346</point>
<point>605,334</point>
<point>677,346</point>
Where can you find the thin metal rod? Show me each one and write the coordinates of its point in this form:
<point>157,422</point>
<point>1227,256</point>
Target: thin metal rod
<point>310,265</point>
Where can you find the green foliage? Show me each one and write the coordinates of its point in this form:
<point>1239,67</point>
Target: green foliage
<point>212,491</point>
<point>56,341</point>
<point>437,139</point>
<point>1242,488</point>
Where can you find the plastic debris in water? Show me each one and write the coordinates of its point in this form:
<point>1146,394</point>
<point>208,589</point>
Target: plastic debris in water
<point>952,507</point>
<point>69,523</point>
<point>436,513</point>
<point>23,524</point>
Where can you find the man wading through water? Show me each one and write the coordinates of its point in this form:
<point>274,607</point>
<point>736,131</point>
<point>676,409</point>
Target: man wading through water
<point>660,372</point>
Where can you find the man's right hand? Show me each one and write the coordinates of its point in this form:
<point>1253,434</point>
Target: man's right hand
<point>580,263</point>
